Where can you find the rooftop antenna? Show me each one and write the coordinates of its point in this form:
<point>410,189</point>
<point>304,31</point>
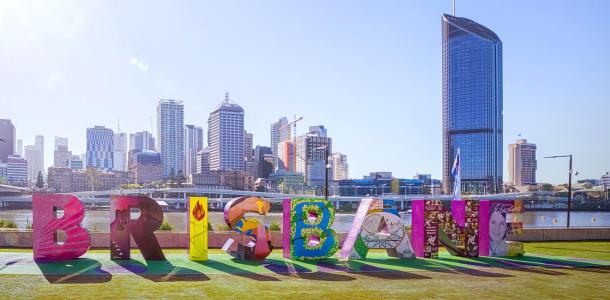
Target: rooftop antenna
<point>454,8</point>
<point>118,124</point>
<point>227,97</point>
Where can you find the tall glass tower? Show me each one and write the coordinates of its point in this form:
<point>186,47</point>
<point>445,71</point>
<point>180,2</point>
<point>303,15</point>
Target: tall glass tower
<point>472,105</point>
<point>226,136</point>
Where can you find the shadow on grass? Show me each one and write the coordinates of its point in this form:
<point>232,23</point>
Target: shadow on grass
<point>161,271</point>
<point>287,268</point>
<point>358,267</point>
<point>81,270</point>
<point>439,265</point>
<point>521,266</point>
<point>237,271</point>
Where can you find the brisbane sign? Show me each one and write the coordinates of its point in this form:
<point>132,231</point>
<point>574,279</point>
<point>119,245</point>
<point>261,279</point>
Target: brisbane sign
<point>468,228</point>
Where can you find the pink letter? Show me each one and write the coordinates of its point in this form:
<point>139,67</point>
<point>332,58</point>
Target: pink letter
<point>46,224</point>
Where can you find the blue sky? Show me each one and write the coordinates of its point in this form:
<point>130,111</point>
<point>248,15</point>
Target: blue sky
<point>370,71</point>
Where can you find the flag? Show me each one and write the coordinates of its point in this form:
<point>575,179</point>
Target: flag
<point>456,173</point>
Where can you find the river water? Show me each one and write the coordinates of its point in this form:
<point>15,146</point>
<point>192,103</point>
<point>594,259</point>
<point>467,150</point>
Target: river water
<point>98,220</point>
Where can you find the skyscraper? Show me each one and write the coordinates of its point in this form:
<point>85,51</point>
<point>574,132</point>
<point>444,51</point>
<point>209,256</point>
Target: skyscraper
<point>311,154</point>
<point>142,140</point>
<point>263,166</point>
<point>170,135</point>
<point>61,155</point>
<point>248,146</point>
<point>472,104</point>
<point>100,148</point>
<point>226,136</point>
<point>522,163</point>
<point>193,143</point>
<point>339,166</point>
<point>279,134</point>
<point>39,144</point>
<point>19,150</point>
<point>8,134</point>
<point>203,160</point>
<point>120,151</point>
<point>32,156</point>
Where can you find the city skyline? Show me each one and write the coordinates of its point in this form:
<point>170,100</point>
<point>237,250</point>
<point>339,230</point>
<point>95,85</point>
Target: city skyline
<point>407,78</point>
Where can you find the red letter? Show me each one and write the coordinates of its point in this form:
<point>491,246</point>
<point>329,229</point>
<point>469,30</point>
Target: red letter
<point>142,229</point>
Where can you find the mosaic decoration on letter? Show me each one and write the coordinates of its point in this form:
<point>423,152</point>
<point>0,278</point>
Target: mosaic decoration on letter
<point>306,232</point>
<point>254,242</point>
<point>377,225</point>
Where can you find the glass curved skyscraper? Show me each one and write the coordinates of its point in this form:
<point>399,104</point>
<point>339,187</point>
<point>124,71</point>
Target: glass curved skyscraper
<point>472,105</point>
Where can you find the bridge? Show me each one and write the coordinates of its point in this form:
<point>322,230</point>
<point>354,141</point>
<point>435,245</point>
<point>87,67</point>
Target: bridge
<point>176,197</point>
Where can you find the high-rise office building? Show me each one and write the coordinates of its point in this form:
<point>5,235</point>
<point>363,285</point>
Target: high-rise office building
<point>170,135</point>
<point>193,143</point>
<point>100,148</point>
<point>120,152</point>
<point>17,171</point>
<point>61,154</point>
<point>203,160</point>
<point>339,166</point>
<point>39,144</point>
<point>248,146</point>
<point>226,136</point>
<point>263,166</point>
<point>142,140</point>
<point>311,151</point>
<point>279,132</point>
<point>34,162</point>
<point>472,105</point>
<point>286,157</point>
<point>19,150</point>
<point>522,163</point>
<point>8,134</point>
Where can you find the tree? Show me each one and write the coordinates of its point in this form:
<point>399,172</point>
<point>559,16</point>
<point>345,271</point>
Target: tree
<point>40,181</point>
<point>172,176</point>
<point>180,178</point>
<point>547,187</point>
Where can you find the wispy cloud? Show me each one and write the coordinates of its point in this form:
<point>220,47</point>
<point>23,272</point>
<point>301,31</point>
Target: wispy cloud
<point>134,61</point>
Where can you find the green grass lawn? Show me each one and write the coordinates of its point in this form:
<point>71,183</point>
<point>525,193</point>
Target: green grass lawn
<point>445,277</point>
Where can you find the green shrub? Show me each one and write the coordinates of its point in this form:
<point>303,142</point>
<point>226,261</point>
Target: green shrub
<point>210,227</point>
<point>166,226</point>
<point>28,224</point>
<point>275,227</point>
<point>8,224</point>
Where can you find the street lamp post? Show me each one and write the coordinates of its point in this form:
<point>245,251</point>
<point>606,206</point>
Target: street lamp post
<point>569,184</point>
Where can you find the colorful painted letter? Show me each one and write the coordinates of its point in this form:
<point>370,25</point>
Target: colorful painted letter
<point>457,230</point>
<point>45,208</point>
<point>377,225</point>
<point>493,220</point>
<point>142,229</point>
<point>306,231</point>
<point>255,238</point>
<point>197,214</point>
